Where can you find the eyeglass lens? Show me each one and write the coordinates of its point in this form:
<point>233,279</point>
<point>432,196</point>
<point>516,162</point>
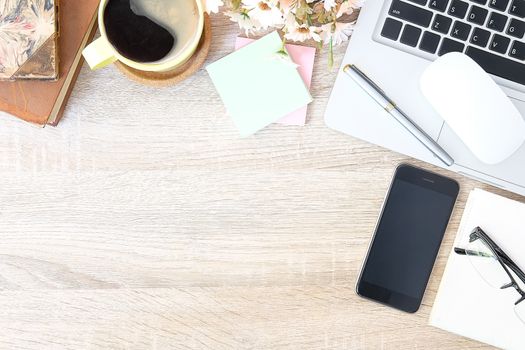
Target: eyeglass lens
<point>486,263</point>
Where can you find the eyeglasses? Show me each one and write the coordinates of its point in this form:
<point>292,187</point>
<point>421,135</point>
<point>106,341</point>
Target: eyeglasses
<point>495,267</point>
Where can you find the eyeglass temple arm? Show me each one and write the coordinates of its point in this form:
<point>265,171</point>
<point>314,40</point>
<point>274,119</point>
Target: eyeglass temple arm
<point>501,254</point>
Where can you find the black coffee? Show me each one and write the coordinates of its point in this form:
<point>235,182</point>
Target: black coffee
<point>136,36</point>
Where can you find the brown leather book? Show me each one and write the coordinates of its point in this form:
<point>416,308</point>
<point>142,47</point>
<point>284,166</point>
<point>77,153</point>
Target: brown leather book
<point>43,102</point>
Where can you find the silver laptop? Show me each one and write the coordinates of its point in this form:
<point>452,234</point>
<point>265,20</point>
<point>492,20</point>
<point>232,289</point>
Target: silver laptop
<point>394,41</point>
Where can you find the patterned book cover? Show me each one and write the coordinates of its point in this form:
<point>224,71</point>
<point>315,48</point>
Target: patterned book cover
<point>43,101</point>
<point>28,39</point>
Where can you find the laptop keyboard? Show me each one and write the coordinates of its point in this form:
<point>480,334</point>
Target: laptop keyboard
<point>489,31</point>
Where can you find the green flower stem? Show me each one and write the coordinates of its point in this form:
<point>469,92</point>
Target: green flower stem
<point>331,55</point>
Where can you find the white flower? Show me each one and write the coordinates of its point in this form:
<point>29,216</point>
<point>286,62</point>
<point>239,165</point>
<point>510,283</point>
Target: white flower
<point>287,6</point>
<point>212,6</point>
<point>290,21</point>
<point>246,23</point>
<point>348,6</point>
<point>345,9</point>
<point>357,4</point>
<point>328,4</point>
<point>265,12</point>
<point>302,33</point>
<point>338,32</point>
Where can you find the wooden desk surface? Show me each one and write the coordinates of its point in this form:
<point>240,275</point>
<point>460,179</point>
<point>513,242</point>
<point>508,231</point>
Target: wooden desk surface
<point>144,222</point>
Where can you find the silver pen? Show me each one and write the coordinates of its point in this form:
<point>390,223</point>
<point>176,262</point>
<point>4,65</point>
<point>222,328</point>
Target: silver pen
<point>385,102</point>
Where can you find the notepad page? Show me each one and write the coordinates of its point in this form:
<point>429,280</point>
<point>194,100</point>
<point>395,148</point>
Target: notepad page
<point>303,56</point>
<point>256,86</point>
<point>465,304</point>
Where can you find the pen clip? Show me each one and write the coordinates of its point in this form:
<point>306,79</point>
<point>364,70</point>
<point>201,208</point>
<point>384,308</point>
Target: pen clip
<point>376,87</point>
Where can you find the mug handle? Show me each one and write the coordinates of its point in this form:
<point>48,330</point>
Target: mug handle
<point>99,54</point>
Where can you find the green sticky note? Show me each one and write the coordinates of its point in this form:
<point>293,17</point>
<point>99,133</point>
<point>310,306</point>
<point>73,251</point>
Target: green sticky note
<point>256,86</point>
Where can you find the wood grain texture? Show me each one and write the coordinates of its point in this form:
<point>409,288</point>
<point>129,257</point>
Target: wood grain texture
<point>144,222</point>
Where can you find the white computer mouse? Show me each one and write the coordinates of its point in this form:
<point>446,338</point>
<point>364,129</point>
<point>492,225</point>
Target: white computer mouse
<point>474,107</point>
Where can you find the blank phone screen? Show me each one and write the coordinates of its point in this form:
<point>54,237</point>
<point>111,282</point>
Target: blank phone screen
<point>407,239</point>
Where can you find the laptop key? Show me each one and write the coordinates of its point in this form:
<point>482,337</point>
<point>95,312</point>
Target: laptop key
<point>500,5</point>
<point>477,15</point>
<point>480,37</point>
<point>419,2</point>
<point>458,9</point>
<point>391,29</point>
<point>481,2</point>
<point>410,35</point>
<point>410,13</point>
<point>517,8</point>
<point>499,43</point>
<point>449,45</point>
<point>429,42</point>
<point>460,30</point>
<point>516,28</point>
<point>440,5</point>
<point>517,50</point>
<point>497,21</point>
<point>498,65</point>
<point>441,24</point>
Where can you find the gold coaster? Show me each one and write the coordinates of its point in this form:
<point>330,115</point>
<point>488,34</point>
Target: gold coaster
<point>175,76</point>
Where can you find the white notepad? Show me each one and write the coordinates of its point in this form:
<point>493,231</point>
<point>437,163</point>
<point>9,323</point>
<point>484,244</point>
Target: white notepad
<point>465,303</point>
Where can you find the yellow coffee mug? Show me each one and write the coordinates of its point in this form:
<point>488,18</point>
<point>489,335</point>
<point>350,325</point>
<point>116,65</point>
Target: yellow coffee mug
<point>101,52</point>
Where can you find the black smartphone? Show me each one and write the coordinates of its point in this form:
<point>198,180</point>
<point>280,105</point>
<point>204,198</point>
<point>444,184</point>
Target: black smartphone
<point>407,237</point>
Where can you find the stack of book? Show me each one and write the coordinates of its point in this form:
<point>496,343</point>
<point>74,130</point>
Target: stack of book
<point>41,45</point>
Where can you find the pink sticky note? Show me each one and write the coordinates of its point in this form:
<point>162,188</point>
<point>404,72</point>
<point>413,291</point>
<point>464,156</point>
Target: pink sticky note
<point>304,57</point>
